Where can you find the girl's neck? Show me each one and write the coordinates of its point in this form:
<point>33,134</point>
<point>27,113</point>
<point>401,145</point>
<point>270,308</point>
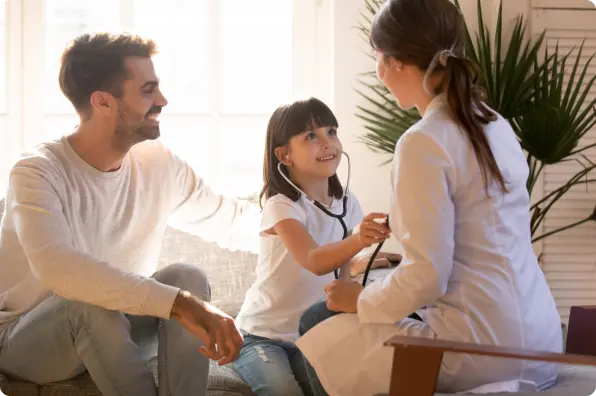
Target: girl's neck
<point>315,188</point>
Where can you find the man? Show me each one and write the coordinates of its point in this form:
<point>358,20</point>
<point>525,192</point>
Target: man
<point>84,220</point>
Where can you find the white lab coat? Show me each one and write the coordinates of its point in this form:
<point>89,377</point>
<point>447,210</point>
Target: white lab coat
<point>468,261</point>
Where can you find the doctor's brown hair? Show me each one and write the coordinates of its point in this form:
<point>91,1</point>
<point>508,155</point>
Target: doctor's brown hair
<point>413,32</point>
<point>287,121</point>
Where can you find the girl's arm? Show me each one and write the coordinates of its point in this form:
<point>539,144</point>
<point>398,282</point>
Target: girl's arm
<point>321,260</point>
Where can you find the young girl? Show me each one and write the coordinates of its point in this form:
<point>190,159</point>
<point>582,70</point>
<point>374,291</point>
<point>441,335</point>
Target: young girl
<point>460,209</point>
<point>302,243</point>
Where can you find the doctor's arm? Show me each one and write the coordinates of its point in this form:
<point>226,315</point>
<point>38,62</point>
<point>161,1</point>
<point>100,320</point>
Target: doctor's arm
<point>423,220</point>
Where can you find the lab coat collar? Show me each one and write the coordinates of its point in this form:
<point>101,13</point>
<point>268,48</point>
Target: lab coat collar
<point>436,103</point>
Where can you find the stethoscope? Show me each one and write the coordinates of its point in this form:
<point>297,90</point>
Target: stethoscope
<point>339,217</point>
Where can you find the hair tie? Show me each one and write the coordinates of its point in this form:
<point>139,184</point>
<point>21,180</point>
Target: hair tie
<point>443,55</point>
<point>439,58</point>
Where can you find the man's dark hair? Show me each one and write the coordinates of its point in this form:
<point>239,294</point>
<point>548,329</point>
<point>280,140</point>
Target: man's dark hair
<point>96,62</point>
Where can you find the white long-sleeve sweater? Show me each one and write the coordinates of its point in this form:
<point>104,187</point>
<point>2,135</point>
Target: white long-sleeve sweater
<point>91,236</point>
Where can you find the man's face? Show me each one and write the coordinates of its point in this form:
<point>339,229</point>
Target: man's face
<point>140,105</point>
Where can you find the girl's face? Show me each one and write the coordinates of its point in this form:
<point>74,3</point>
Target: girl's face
<point>403,81</point>
<point>315,153</point>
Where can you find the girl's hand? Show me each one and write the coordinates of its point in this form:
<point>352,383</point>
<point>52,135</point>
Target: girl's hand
<point>342,296</point>
<point>371,232</point>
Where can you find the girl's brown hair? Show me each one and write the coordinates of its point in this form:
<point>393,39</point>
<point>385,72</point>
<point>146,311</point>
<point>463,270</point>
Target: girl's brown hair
<point>415,32</point>
<point>287,121</point>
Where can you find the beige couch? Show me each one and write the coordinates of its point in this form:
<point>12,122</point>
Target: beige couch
<point>230,274</point>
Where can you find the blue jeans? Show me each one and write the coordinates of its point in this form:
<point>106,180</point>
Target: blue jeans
<point>271,367</point>
<point>60,339</point>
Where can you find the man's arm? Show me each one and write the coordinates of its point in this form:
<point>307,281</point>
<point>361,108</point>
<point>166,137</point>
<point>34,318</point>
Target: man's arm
<point>46,239</point>
<point>231,223</point>
<point>221,338</point>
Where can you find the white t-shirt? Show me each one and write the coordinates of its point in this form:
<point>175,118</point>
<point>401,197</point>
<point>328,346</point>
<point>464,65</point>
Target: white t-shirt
<point>284,289</point>
<point>91,236</point>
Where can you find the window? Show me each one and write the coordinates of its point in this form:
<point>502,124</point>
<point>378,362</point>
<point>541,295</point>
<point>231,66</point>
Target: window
<point>2,57</point>
<point>224,66</point>
<point>4,146</point>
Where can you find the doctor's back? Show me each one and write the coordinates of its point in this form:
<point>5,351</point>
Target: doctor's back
<point>497,293</point>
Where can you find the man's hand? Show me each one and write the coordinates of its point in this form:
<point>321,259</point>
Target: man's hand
<point>217,330</point>
<point>342,296</point>
<point>383,260</point>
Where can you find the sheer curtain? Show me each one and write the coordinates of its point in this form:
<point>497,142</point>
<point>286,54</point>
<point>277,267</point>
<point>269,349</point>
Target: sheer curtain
<point>224,66</point>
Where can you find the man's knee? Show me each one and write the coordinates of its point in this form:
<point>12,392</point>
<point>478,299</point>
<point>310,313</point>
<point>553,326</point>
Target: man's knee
<point>88,316</point>
<point>187,277</point>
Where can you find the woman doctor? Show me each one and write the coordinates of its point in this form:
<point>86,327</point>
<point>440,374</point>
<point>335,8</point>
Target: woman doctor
<point>460,209</point>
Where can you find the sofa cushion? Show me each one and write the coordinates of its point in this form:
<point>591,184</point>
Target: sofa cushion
<point>223,381</point>
<point>230,274</point>
<point>17,388</point>
<point>82,385</point>
<point>572,381</point>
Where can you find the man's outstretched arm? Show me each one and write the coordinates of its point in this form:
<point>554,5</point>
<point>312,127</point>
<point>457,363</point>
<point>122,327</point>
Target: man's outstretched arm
<point>231,223</point>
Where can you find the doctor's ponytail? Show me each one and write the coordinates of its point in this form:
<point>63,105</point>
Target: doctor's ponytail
<point>430,34</point>
<point>467,107</point>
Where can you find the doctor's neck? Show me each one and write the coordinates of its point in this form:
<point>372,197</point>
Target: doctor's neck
<point>315,187</point>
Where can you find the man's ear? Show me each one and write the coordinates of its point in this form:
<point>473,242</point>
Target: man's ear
<point>102,102</point>
<point>283,155</point>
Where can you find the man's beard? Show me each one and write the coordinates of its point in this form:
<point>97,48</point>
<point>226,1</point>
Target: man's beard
<point>132,128</point>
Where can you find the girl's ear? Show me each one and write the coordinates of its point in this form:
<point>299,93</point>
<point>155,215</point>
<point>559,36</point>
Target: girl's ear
<point>283,155</point>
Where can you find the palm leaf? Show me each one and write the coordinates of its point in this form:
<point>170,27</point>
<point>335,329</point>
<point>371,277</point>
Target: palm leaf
<point>552,130</point>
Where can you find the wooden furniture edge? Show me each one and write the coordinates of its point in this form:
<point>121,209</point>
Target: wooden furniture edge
<point>488,350</point>
<point>417,361</point>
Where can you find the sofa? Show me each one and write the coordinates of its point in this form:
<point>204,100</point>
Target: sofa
<point>230,274</point>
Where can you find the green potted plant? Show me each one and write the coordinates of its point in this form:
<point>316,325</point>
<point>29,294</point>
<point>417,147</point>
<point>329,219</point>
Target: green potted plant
<point>544,97</point>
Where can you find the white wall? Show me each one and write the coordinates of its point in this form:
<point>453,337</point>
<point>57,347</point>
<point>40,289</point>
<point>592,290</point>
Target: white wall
<point>370,181</point>
<point>349,59</point>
